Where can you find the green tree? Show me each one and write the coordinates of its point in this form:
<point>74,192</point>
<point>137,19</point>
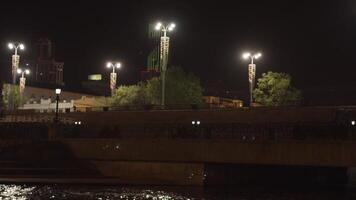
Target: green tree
<point>274,89</point>
<point>6,93</point>
<point>130,95</point>
<point>181,88</point>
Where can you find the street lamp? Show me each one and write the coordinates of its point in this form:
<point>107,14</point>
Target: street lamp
<point>164,53</point>
<point>251,71</point>
<point>58,92</point>
<point>23,79</point>
<point>15,58</point>
<point>113,75</point>
<point>15,65</point>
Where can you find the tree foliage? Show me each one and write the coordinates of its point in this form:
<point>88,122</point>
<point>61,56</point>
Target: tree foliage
<point>13,90</point>
<point>181,89</point>
<point>130,95</point>
<point>274,89</point>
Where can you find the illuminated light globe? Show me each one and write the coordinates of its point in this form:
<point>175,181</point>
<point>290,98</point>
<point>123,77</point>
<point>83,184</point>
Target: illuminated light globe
<point>246,55</point>
<point>19,71</point>
<point>11,46</point>
<point>22,47</point>
<point>258,55</point>
<point>158,26</point>
<point>58,91</point>
<point>118,65</point>
<point>27,71</point>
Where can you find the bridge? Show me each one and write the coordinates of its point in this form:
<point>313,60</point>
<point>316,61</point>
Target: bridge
<point>170,147</point>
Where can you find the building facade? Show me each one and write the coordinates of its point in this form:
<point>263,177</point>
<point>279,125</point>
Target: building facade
<point>47,69</point>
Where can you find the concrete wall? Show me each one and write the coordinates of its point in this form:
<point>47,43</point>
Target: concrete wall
<point>157,173</point>
<point>243,115</point>
<point>332,154</point>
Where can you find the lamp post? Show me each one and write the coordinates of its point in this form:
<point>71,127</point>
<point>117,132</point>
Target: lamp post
<point>15,65</point>
<point>15,58</point>
<point>113,75</point>
<point>251,71</point>
<point>23,79</point>
<point>164,50</point>
<point>58,92</point>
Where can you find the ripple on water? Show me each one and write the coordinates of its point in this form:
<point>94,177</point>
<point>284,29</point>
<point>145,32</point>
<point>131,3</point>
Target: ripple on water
<point>23,192</point>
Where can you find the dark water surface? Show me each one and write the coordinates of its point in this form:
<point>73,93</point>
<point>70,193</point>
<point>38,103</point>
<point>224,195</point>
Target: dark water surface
<point>77,192</point>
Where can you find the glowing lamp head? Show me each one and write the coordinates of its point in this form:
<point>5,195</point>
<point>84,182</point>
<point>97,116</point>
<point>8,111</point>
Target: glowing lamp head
<point>22,46</point>
<point>19,71</point>
<point>109,65</point>
<point>258,55</point>
<point>353,123</point>
<point>171,27</point>
<point>118,65</point>
<point>246,55</point>
<point>11,46</point>
<point>158,26</point>
<point>27,71</point>
<point>58,91</point>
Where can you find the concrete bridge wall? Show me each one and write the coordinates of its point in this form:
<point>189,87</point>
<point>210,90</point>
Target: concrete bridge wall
<point>304,153</point>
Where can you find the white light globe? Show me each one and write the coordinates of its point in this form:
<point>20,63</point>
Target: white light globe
<point>109,64</point>
<point>22,47</point>
<point>10,45</point>
<point>246,55</point>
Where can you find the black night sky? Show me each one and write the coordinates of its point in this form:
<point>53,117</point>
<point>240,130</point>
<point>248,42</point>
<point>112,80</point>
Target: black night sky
<point>314,41</point>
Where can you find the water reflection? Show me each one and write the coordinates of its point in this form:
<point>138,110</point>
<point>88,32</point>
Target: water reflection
<point>23,192</point>
<point>76,192</point>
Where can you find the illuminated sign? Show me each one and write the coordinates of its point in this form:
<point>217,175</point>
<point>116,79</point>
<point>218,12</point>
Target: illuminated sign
<point>95,77</point>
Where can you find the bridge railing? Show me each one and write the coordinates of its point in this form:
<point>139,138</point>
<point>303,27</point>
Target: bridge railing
<point>245,132</point>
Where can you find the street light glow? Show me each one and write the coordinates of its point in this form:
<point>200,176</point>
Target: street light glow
<point>27,71</point>
<point>10,45</point>
<point>19,71</point>
<point>258,55</point>
<point>109,64</point>
<point>118,65</point>
<point>58,91</point>
<point>22,47</point>
<point>246,55</point>
<point>171,27</point>
<point>158,26</point>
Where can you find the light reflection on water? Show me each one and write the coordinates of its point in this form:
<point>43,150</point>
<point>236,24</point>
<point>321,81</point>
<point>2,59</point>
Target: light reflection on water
<point>77,192</point>
<point>23,192</point>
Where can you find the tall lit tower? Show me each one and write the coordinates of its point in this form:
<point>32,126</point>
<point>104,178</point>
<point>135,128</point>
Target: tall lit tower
<point>251,71</point>
<point>15,58</point>
<point>164,50</point>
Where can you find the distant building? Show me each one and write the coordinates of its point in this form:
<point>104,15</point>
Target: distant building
<point>47,69</point>
<point>48,106</point>
<point>44,100</point>
<point>218,102</point>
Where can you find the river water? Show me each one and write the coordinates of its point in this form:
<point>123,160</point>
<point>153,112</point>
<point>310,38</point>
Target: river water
<point>78,192</point>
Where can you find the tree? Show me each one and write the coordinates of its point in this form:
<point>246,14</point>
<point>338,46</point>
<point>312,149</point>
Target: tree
<point>130,95</point>
<point>6,92</point>
<point>181,88</point>
<point>274,89</point>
